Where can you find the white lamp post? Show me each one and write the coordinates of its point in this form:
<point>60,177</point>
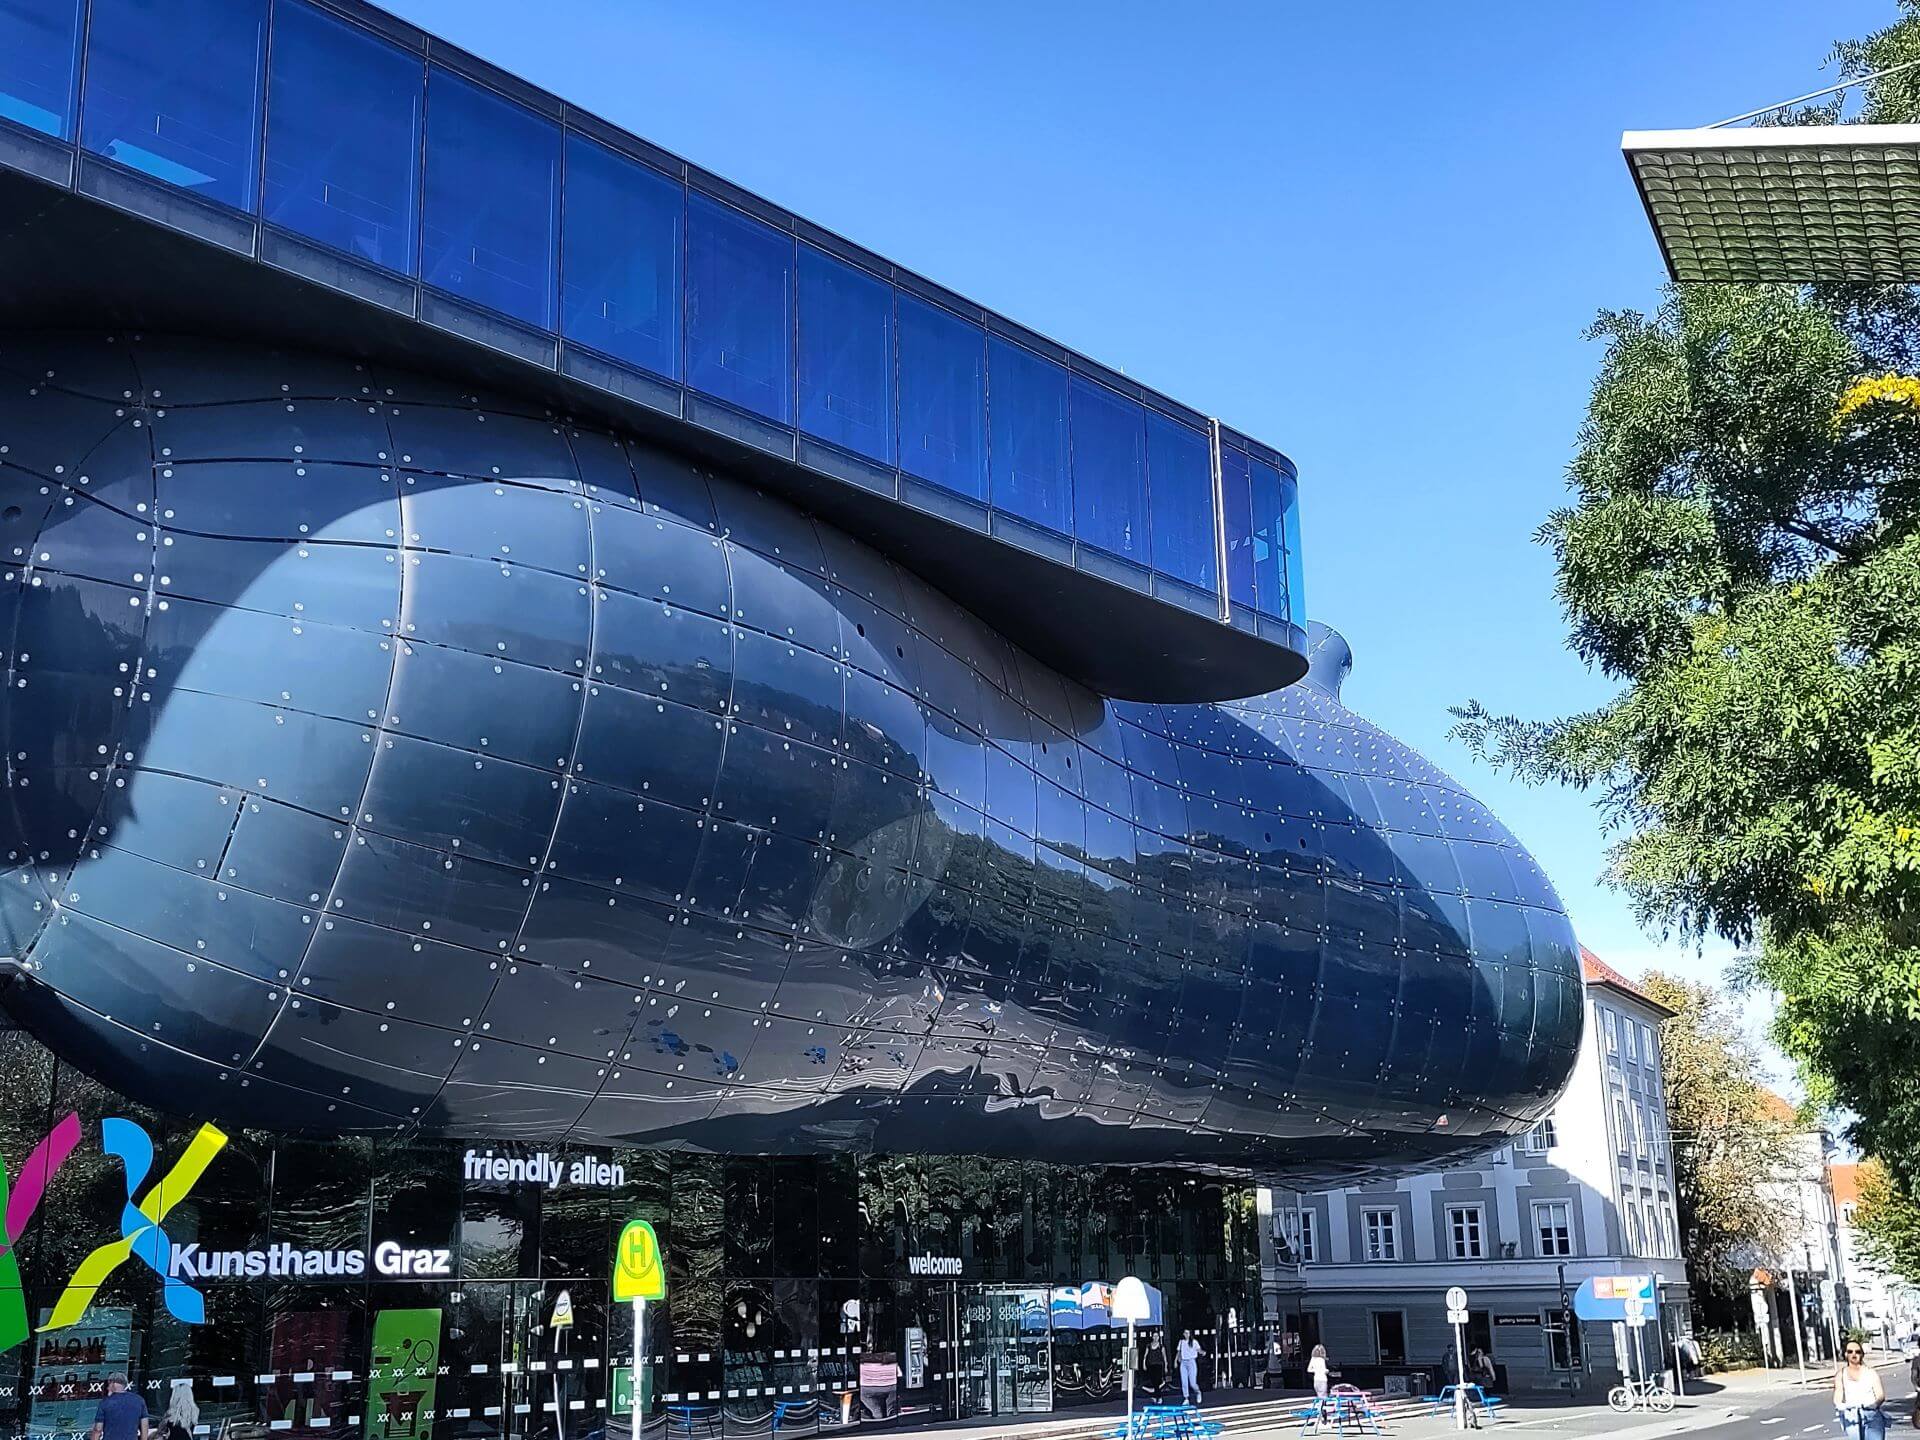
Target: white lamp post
<point>1130,1304</point>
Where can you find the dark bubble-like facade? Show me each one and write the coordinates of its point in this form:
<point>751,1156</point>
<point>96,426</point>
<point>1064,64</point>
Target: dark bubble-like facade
<point>383,756</point>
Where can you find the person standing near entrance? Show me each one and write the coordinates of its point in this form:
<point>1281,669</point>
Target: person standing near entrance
<point>1188,1354</point>
<point>122,1414</point>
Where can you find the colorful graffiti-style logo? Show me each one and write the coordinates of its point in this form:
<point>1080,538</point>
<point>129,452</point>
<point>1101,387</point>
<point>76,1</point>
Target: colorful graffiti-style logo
<point>141,1233</point>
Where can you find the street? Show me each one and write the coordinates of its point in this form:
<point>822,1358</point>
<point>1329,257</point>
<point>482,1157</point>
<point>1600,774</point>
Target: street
<point>1742,1405</point>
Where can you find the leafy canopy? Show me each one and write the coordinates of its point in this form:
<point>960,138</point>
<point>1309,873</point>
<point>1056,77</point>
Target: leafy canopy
<point>1742,554</point>
<point>1726,1139</point>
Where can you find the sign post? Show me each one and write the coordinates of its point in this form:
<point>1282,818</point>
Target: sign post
<point>639,1275</point>
<point>1131,1305</point>
<point>560,1323</point>
<point>1457,1317</point>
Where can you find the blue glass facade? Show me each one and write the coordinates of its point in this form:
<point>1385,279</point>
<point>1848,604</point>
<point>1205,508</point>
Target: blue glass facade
<point>491,203</point>
<point>621,258</point>
<point>39,64</point>
<point>349,138</point>
<point>348,177</point>
<point>173,90</point>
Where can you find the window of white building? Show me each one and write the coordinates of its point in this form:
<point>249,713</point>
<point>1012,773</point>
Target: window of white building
<point>1553,1226</point>
<point>1381,1229</point>
<point>1540,1139</point>
<point>1623,1127</point>
<point>1466,1232</point>
<point>1647,1046</point>
<point>1633,1051</point>
<point>1613,1032</point>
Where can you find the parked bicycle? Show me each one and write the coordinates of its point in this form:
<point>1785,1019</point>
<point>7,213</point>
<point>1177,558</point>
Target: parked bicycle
<point>1643,1394</point>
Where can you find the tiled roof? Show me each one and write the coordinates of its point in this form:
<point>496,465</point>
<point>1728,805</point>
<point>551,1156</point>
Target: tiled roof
<point>1596,971</point>
<point>1846,1183</point>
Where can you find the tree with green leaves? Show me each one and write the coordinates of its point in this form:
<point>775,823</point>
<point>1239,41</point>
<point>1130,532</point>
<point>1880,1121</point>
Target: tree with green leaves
<point>1742,555</point>
<point>1724,1135</point>
<point>1886,1223</point>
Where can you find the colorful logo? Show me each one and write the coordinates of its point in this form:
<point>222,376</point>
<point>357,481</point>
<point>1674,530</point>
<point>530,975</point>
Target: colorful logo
<point>141,1233</point>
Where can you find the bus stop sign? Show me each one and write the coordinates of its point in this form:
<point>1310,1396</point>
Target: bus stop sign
<point>639,1270</point>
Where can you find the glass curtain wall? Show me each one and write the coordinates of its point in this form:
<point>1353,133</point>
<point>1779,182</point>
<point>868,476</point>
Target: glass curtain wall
<point>352,141</point>
<point>399,1290</point>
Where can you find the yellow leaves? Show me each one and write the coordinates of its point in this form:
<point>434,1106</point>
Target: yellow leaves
<point>1817,885</point>
<point>1891,388</point>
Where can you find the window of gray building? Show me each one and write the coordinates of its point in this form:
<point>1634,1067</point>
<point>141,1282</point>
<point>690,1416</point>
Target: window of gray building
<point>1466,1232</point>
<point>1553,1226</point>
<point>1381,1229</point>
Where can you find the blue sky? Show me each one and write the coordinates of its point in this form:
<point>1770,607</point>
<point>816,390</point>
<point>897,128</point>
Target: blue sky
<point>1371,236</point>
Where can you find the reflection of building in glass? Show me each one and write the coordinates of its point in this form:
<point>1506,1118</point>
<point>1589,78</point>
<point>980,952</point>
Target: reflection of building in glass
<point>631,678</point>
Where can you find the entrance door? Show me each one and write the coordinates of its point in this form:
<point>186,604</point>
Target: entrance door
<point>1003,1351</point>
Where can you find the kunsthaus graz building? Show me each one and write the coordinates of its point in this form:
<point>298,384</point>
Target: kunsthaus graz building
<point>543,690</point>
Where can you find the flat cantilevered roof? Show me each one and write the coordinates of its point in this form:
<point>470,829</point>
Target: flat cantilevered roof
<point>321,173</point>
<point>1791,203</point>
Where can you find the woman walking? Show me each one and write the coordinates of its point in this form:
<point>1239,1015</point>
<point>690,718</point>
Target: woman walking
<point>1317,1370</point>
<point>1859,1396</point>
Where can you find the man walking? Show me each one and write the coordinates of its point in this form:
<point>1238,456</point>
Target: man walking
<point>122,1415</point>
<point>1188,1354</point>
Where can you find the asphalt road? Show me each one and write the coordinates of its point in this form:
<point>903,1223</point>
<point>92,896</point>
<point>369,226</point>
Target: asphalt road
<point>1811,1413</point>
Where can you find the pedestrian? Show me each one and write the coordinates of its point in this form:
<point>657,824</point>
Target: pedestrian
<point>1859,1396</point>
<point>1317,1371</point>
<point>122,1415</point>
<point>1188,1355</point>
<point>183,1414</point>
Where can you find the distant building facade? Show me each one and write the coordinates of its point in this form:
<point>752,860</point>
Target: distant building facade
<point>1879,1302</point>
<point>1587,1192</point>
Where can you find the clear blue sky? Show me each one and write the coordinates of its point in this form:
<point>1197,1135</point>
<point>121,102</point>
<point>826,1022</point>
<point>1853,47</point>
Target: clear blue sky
<point>1370,235</point>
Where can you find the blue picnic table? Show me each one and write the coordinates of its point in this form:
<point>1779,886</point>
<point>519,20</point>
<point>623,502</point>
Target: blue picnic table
<point>1476,1396</point>
<point>1342,1408</point>
<point>1167,1422</point>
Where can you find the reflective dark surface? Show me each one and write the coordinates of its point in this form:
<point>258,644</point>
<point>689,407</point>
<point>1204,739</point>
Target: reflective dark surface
<point>380,757</point>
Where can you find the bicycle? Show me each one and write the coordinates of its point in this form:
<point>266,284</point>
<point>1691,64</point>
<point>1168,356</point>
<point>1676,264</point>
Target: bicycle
<point>1647,1394</point>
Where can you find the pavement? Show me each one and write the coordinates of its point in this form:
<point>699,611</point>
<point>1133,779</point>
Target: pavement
<point>1751,1405</point>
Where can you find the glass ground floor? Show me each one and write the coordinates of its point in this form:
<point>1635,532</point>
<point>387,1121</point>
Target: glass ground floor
<point>442,1289</point>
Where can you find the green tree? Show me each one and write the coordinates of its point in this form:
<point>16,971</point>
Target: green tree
<point>1887,1222</point>
<point>1742,554</point>
<point>1725,1134</point>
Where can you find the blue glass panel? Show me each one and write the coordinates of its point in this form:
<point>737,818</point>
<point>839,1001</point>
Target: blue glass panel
<point>1236,491</point>
<point>173,90</point>
<point>1269,543</point>
<point>1180,488</point>
<point>1029,410</point>
<point>343,174</point>
<point>739,309</point>
<point>39,45</point>
<point>492,200</point>
<point>1290,534</point>
<point>1109,470</point>
<point>943,398</point>
<point>620,258</point>
<point>846,356</point>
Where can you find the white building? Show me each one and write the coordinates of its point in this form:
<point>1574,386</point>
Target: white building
<point>1588,1193</point>
<point>1881,1303</point>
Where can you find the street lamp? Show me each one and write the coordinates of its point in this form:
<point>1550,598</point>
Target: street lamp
<point>1130,1304</point>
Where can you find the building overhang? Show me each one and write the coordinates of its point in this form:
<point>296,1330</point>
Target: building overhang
<point>1798,204</point>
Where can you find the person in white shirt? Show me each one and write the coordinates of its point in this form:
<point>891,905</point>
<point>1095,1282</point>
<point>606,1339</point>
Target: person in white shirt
<point>1188,1356</point>
<point>1858,1395</point>
<point>1317,1371</point>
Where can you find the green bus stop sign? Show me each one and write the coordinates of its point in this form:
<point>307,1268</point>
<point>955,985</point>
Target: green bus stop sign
<point>639,1269</point>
